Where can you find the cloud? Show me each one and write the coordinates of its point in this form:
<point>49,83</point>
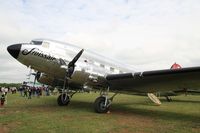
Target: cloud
<point>145,34</point>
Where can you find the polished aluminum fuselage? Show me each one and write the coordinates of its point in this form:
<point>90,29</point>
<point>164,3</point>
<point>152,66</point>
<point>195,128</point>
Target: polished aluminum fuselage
<point>49,56</point>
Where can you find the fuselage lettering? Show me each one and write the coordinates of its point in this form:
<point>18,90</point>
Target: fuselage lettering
<point>36,53</point>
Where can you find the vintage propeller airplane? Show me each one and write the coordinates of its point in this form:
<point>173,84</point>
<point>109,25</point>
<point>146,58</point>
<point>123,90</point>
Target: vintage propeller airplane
<point>73,68</point>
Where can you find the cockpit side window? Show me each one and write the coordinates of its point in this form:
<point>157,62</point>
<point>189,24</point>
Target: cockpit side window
<point>36,42</point>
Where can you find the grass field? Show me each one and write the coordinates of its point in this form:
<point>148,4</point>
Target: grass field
<point>134,114</point>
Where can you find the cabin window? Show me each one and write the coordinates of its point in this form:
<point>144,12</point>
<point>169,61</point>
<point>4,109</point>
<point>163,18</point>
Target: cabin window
<point>101,65</point>
<point>36,42</point>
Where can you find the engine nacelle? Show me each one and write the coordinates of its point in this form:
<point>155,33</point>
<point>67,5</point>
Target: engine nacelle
<point>87,88</point>
<point>48,80</point>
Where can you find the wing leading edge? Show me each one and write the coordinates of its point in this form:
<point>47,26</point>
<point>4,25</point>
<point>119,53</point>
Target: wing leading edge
<point>155,81</point>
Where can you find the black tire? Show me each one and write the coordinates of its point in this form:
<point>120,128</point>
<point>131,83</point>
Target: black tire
<point>99,105</point>
<point>62,102</point>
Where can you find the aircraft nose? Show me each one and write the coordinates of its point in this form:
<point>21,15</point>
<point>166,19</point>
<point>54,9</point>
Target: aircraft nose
<point>14,50</point>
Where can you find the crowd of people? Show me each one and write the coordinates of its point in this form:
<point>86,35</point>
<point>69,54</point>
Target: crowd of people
<point>29,91</point>
<point>24,90</point>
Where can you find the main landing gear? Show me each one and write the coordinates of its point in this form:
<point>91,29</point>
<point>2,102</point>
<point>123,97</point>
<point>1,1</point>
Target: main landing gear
<point>102,103</point>
<point>64,98</point>
<point>66,95</point>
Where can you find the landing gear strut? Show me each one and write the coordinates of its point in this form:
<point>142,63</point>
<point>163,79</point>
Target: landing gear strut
<point>102,103</point>
<point>66,95</point>
<point>169,99</point>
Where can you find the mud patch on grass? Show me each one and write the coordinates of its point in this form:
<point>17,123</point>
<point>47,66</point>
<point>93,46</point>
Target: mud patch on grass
<point>128,122</point>
<point>13,125</point>
<point>67,117</point>
<point>3,129</point>
<point>82,117</point>
<point>196,130</point>
<point>130,119</point>
<point>6,127</point>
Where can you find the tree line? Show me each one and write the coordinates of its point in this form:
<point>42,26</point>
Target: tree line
<point>10,85</point>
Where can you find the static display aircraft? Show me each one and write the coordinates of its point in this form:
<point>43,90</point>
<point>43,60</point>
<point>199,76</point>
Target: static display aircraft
<point>73,68</point>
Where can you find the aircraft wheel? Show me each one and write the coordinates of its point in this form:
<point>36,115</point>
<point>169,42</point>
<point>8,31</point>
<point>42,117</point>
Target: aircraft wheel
<point>99,105</point>
<point>63,100</point>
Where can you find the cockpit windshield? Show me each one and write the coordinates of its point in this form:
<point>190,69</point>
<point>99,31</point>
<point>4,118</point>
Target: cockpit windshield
<point>36,42</point>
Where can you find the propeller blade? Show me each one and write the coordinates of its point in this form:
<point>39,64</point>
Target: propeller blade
<point>34,81</point>
<point>37,76</point>
<point>72,63</point>
<point>33,74</point>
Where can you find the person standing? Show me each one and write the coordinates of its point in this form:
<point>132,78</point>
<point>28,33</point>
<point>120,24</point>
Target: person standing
<point>2,99</point>
<point>25,91</point>
<point>38,92</point>
<point>21,90</point>
<point>29,92</point>
<point>47,90</point>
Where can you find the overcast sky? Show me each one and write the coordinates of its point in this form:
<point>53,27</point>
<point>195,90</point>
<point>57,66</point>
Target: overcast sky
<point>147,34</point>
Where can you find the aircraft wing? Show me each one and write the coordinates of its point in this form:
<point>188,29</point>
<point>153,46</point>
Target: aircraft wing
<point>155,81</point>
